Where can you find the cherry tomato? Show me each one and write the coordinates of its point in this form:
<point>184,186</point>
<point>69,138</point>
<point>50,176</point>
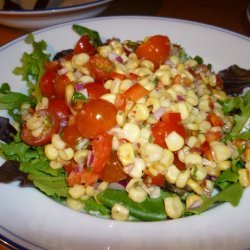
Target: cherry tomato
<point>179,164</point>
<point>171,117</point>
<point>113,170</point>
<point>102,146</point>
<point>150,179</point>
<point>215,120</point>
<point>95,90</point>
<point>59,107</point>
<point>60,85</point>
<point>95,118</point>
<point>120,102</point>
<point>52,66</point>
<point>206,151</point>
<point>71,135</point>
<point>162,128</point>
<point>155,48</point>
<point>47,83</point>
<point>213,136</point>
<point>52,126</point>
<point>84,46</point>
<point>100,68</point>
<point>136,92</point>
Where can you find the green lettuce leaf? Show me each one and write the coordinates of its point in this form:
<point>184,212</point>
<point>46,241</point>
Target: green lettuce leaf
<point>32,67</point>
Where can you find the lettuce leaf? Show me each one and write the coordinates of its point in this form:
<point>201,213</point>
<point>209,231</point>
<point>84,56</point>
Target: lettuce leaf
<point>32,67</point>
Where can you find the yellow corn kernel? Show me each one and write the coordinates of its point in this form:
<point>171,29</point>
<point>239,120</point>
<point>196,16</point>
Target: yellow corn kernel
<point>80,156</point>
<point>142,71</point>
<point>174,141</point>
<point>105,50</point>
<point>135,170</point>
<point>126,153</point>
<point>90,191</point>
<point>69,91</point>
<point>194,186</point>
<point>131,132</point>
<point>243,177</point>
<point>172,174</point>
<point>182,178</point>
<point>50,152</point>
<point>167,157</point>
<point>115,87</point>
<point>102,186</point>
<point>37,132</point>
<point>221,151</point>
<point>86,79</point>
<point>199,172</point>
<point>137,194</point>
<point>77,191</point>
<point>79,59</point>
<point>193,159</point>
<point>148,64</point>
<point>151,152</point>
<point>75,204</point>
<point>119,212</point>
<point>145,135</point>
<point>71,76</point>
<point>56,164</point>
<point>109,97</point>
<point>193,201</point>
<point>66,154</point>
<point>120,118</point>
<point>193,141</point>
<point>57,142</point>
<point>132,64</point>
<point>192,98</point>
<point>146,82</point>
<point>34,122</point>
<point>224,165</point>
<point>140,112</point>
<point>173,207</point>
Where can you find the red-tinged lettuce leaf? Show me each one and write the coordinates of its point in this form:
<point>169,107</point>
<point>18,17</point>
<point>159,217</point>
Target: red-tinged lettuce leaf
<point>10,172</point>
<point>6,130</point>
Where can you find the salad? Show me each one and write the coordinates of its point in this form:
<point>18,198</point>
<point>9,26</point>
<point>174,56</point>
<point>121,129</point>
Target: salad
<point>129,130</point>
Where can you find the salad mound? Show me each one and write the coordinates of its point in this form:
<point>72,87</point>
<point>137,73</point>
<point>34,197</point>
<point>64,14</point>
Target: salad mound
<point>128,130</point>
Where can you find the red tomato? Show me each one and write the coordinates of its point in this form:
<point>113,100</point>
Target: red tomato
<point>60,85</point>
<point>162,128</point>
<point>71,135</point>
<point>155,48</point>
<point>179,164</point>
<point>136,92</point>
<point>95,118</point>
<point>215,120</point>
<point>113,170</point>
<point>120,102</point>
<point>52,66</point>
<point>150,179</point>
<point>95,90</point>
<point>102,147</point>
<point>171,117</point>
<point>213,136</point>
<point>52,126</point>
<point>206,151</point>
<point>59,107</point>
<point>84,46</point>
<point>74,178</point>
<point>100,68</point>
<point>47,83</point>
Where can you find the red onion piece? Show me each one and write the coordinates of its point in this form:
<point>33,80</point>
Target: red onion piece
<point>116,186</point>
<point>90,158</point>
<point>159,113</point>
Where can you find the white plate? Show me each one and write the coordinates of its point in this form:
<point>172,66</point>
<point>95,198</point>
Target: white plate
<point>32,220</point>
<point>57,13</point>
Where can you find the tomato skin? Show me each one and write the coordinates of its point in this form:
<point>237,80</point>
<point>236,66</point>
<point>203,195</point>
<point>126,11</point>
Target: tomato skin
<point>46,84</point>
<point>100,68</point>
<point>71,135</point>
<point>155,48</point>
<point>163,128</point>
<point>45,137</point>
<point>213,136</point>
<point>215,120</point>
<point>95,90</point>
<point>120,102</point>
<point>84,45</point>
<point>60,85</point>
<point>102,147</point>
<point>136,92</point>
<point>52,66</point>
<point>171,117</point>
<point>95,118</point>
<point>113,170</point>
<point>59,107</point>
<point>157,180</point>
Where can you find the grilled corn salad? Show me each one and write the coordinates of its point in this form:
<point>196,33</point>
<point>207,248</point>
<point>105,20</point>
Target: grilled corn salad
<point>132,130</point>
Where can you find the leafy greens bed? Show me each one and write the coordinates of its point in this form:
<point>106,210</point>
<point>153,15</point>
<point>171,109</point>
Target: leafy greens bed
<point>146,158</point>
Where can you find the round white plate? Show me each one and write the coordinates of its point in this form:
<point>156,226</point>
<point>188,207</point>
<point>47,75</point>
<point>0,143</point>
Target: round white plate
<point>57,12</point>
<point>32,220</point>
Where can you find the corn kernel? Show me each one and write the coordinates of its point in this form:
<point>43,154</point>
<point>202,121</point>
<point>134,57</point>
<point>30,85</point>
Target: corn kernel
<point>119,212</point>
<point>173,207</point>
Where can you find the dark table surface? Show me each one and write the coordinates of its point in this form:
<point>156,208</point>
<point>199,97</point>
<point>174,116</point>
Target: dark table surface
<point>227,14</point>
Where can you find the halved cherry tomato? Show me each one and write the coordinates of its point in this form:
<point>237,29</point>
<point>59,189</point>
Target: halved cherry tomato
<point>163,128</point>
<point>213,136</point>
<point>206,150</point>
<point>60,85</point>
<point>84,46</point>
<point>113,170</point>
<point>100,68</point>
<point>179,164</point>
<point>52,126</point>
<point>171,117</point>
<point>71,135</point>
<point>95,118</point>
<point>47,82</point>
<point>95,90</point>
<point>150,179</point>
<point>136,92</point>
<point>102,147</point>
<point>155,48</point>
<point>120,102</point>
<point>74,178</point>
<point>215,120</point>
<point>52,66</point>
<point>59,107</point>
